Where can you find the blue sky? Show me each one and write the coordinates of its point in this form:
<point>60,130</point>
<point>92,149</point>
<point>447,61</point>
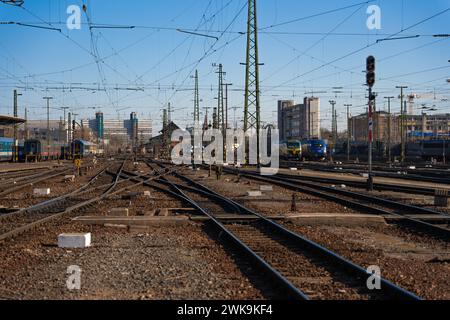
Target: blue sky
<point>162,60</point>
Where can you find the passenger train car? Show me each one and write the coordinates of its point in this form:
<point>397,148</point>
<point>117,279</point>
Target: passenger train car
<point>37,150</point>
<point>6,145</point>
<point>82,148</point>
<point>6,150</point>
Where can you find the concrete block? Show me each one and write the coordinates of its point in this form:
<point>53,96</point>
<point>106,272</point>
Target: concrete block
<point>365,175</point>
<point>69,178</point>
<point>269,171</point>
<point>119,212</point>
<point>266,188</point>
<point>294,169</point>
<point>116,226</point>
<point>74,240</point>
<point>254,193</point>
<point>412,167</point>
<point>41,191</point>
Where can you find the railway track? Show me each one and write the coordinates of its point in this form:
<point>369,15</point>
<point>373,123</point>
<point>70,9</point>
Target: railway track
<point>15,175</point>
<point>19,222</point>
<point>426,175</point>
<point>12,185</point>
<point>366,203</point>
<point>298,267</point>
<point>362,184</point>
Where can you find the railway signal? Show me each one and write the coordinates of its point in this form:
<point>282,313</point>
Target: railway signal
<point>370,81</point>
<point>370,68</point>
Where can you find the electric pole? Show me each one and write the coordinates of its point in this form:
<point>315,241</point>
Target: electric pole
<point>220,100</point>
<point>333,127</point>
<point>215,119</point>
<point>206,123</point>
<point>66,140</point>
<point>48,126</point>
<point>169,113</point>
<point>402,123</point>
<point>16,142</point>
<point>196,102</point>
<point>226,104</point>
<point>165,134</point>
<point>69,131</point>
<point>252,111</point>
<point>348,130</point>
<point>389,125</point>
<point>26,124</point>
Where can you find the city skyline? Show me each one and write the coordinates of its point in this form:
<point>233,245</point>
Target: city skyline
<point>304,54</point>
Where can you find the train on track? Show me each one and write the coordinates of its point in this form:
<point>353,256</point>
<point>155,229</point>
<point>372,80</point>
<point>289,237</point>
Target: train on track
<point>37,150</point>
<point>34,150</point>
<point>415,151</point>
<point>6,152</point>
<point>316,150</point>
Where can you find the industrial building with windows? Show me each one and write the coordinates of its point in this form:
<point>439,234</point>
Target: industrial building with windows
<point>299,121</point>
<point>121,131</point>
<point>415,127</point>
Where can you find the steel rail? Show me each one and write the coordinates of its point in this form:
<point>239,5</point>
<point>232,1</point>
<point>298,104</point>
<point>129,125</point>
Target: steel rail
<point>27,184</point>
<point>30,226</point>
<point>373,199</point>
<point>343,263</point>
<point>291,289</point>
<point>415,175</point>
<point>361,184</point>
<point>327,193</point>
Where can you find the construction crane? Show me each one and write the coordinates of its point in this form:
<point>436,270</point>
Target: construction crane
<point>411,98</point>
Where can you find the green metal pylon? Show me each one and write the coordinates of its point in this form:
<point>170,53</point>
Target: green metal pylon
<point>196,101</point>
<point>220,101</point>
<point>252,118</point>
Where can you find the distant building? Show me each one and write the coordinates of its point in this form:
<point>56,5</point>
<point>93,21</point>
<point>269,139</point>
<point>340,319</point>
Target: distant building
<point>415,126</point>
<point>299,121</point>
<point>359,126</point>
<point>156,146</point>
<point>123,130</point>
<point>37,129</point>
<point>7,124</point>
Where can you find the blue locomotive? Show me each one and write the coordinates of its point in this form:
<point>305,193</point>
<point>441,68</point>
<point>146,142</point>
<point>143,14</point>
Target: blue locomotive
<point>316,150</point>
